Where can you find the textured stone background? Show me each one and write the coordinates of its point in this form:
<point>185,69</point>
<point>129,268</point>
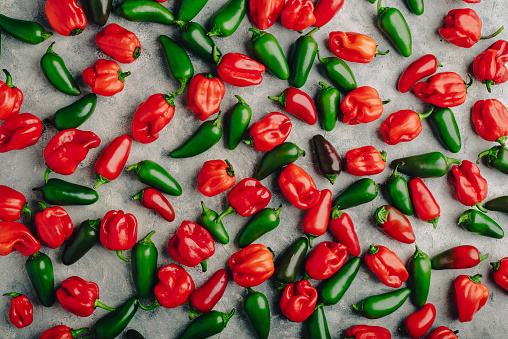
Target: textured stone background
<point>24,169</point>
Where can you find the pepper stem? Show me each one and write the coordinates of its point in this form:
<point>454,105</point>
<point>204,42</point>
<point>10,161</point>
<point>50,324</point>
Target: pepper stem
<point>204,265</point>
<point>306,276</point>
<point>8,80</point>
<point>475,278</point>
<point>470,82</point>
<point>170,98</point>
<point>381,215</point>
<point>501,140</point>
<point>372,250</point>
<point>216,58</point>
<point>226,317</point>
<point>43,205</point>
<point>50,49</point>
<point>120,255</point>
<point>483,256</point>
<point>395,173</point>
<point>250,290</point>
<point>98,303</point>
<point>135,167</point>
<point>12,294</point>
<point>46,174</point>
<point>383,155</point>
<point>100,181</point>
<point>193,312</point>
<point>491,154</point>
<point>229,210</point>
<point>354,306</point>
<point>386,101</point>
<point>215,31</point>
<point>25,209</point>
<point>46,35</point>
<point>138,196</point>
<point>183,84</point>
<point>278,210</point>
<point>281,286</point>
<point>493,34</point>
<point>94,223</point>
<point>379,8</point>
<point>217,122</point>
<point>434,221</point>
<point>147,240</point>
<point>256,33</point>
<point>240,100</point>
<point>281,99</point>
<point>76,31</point>
<point>331,178</point>
<point>438,63</point>
<point>495,265</point>
<point>336,212</point>
<point>321,60</point>
<point>230,171</point>
<point>75,333</point>
<point>450,161</point>
<point>311,237</point>
<point>312,32</point>
<point>151,307</point>
<point>249,142</point>
<point>481,208</point>
<point>123,75</point>
<point>378,52</point>
<point>137,53</point>
<point>181,24</point>
<point>426,114</point>
<point>489,84</point>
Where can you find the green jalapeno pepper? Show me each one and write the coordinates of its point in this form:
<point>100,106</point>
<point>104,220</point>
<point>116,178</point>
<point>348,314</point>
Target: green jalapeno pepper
<point>329,161</point>
<point>480,223</point>
<point>40,271</point>
<point>381,305</point>
<point>54,69</point>
<point>339,73</point>
<point>144,265</point>
<point>316,326</point>
<point>360,192</point>
<point>445,127</point>
<point>99,10</point>
<point>397,193</point>
<point>328,106</point>
<point>261,223</point>
<point>178,62</point>
<point>428,165</point>
<point>257,309</point>
<point>499,204</point>
<point>393,24</point>
<point>266,50</point>
<point>75,114</point>
<point>216,229</point>
<point>333,289</point>
<point>194,38</point>
<point>145,11</point>
<point>226,21</point>
<point>207,325</point>
<point>238,121</point>
<point>419,268</point>
<point>188,9</point>
<point>59,192</point>
<point>496,157</point>
<point>133,334</point>
<point>81,241</point>
<point>289,263</point>
<point>29,32</point>
<point>415,6</point>
<point>281,155</point>
<point>112,324</point>
<point>204,138</point>
<point>302,57</point>
<point>152,174</point>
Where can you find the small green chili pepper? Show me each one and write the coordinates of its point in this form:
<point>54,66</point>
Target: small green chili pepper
<point>496,157</point>
<point>480,223</point>
<point>499,204</point>
<point>145,11</point>
<point>391,21</point>
<point>381,305</point>
<point>54,69</point>
<point>29,32</point>
<point>445,127</point>
<point>333,289</point>
<point>59,192</point>
<point>257,309</point>
<point>281,155</point>
<point>112,324</point>
<point>261,223</point>
<point>81,241</point>
<point>40,271</point>
<point>339,73</point>
<point>316,326</point>
<point>397,193</point>
<point>360,192</point>
<point>188,9</point>
<point>99,10</point>
<point>133,334</point>
<point>289,263</point>
<point>208,221</point>
<point>75,114</point>
<point>204,138</point>
<point>225,22</point>
<point>266,50</point>
<point>428,165</point>
<point>152,174</point>
<point>238,121</point>
<point>144,266</point>
<point>419,268</point>
<point>178,62</point>
<point>415,6</point>
<point>302,57</point>
<point>207,325</point>
<point>328,106</point>
<point>194,38</point>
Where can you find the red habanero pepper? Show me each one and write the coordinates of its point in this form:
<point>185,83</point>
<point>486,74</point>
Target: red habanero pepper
<point>112,160</point>
<point>239,70</point>
<point>19,131</point>
<point>501,272</point>
<point>152,116</point>
<point>489,67</point>
<point>442,332</point>
<point>246,198</point>
<point>174,287</point>
<point>403,126</point>
<point>11,97</point>
<point>315,220</point>
<point>215,177</point>
<point>204,298</point>
<point>53,225</point>
<point>325,259</point>
<point>105,77</point>
<point>269,132</point>
<point>343,230</point>
<point>79,297</point>
<point>66,150</point>
<point>298,187</point>
<point>191,245</point>
<point>21,312</point>
<point>426,207</point>
<point>362,106</point>
<point>354,47</point>
<point>394,224</point>
<point>264,13</point>
<point>65,16</point>
<point>12,204</point>
<point>365,161</point>
<point>119,232</point>
<point>470,187</point>
<point>298,15</point>
<point>17,237</point>
<point>418,323</point>
<point>445,89</point>
<point>298,103</point>
<point>419,69</point>
<point>386,265</point>
<point>368,332</point>
<point>470,296</point>
<point>119,43</point>
<point>61,332</point>
<point>325,10</point>
<point>298,301</point>
<point>490,119</point>
<point>252,265</point>
<point>154,200</point>
<point>204,95</point>
<point>459,257</point>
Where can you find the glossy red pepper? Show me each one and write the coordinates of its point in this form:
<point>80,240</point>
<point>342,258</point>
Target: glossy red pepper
<point>11,97</point>
<point>19,131</point>
<point>470,295</point>
<point>325,10</point>
<point>53,225</point>
<point>17,237</point>
<point>418,323</point>
<point>315,220</point>
<point>152,116</point>
<point>459,257</point>
<point>264,13</point>
<point>472,1</point>
<point>489,67</point>
<point>442,332</point>
<point>191,245</point>
<point>501,272</point>
<point>386,265</point>
<point>361,106</point>
<point>403,126</point>
<point>298,15</point>
<point>239,70</point>
<point>205,95</point>
<point>298,301</point>
<point>112,160</point>
<point>470,187</point>
<point>325,259</point>
<point>365,161</point>
<point>12,204</point>
<point>354,47</point>
<point>426,207</point>
<point>394,224</point>
<point>445,89</point>
<point>490,119</point>
<point>269,132</point>
<point>298,187</point>
<point>21,311</point>
<point>65,16</point>
<point>246,198</point>
<point>252,265</point>
<point>298,103</point>
<point>79,297</point>
<point>105,77</point>
<point>368,332</point>
<point>419,69</point>
<point>215,177</point>
<point>343,230</point>
<point>119,43</point>
<point>119,232</point>
<point>174,287</point>
<point>66,150</point>
<point>61,332</point>
<point>204,298</point>
<point>154,200</point>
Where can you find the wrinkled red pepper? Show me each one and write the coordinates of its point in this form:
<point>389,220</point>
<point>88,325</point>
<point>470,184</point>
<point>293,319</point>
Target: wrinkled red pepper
<point>105,77</point>
<point>298,301</point>
<point>394,224</point>
<point>17,237</point>
<point>489,67</point>
<point>269,132</point>
<point>470,187</point>
<point>426,207</point>
<point>66,150</point>
<point>11,97</point>
<point>419,69</point>
<point>362,106</point>
<point>19,131</point>
<point>298,187</point>
<point>470,295</point>
<point>215,177</point>
<point>79,297</point>
<point>191,245</point>
<point>252,265</point>
<point>53,225</point>
<point>205,95</point>
<point>61,332</point>
<point>21,311</point>
<point>246,198</point>
<point>112,160</point>
<point>204,298</point>
<point>325,259</point>
<point>442,332</point>
<point>154,200</point>
<point>298,103</point>
<point>490,119</point>
<point>343,230</point>
<point>174,287</point>
<point>315,220</point>
<point>386,265</point>
<point>365,161</point>
<point>264,13</point>
<point>368,332</point>
<point>445,89</point>
<point>325,10</point>
<point>298,15</point>
<point>463,27</point>
<point>403,126</point>
<point>418,323</point>
<point>119,43</point>
<point>119,232</point>
<point>239,70</point>
<point>65,16</point>
<point>12,204</point>
<point>501,272</point>
<point>152,116</point>
<point>354,47</point>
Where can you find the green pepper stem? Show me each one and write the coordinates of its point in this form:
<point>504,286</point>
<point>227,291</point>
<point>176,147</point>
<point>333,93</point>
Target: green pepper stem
<point>312,32</point>
<point>336,212</point>
<point>306,276</point>
<point>324,85</point>
<point>183,84</point>
<point>249,142</point>
<point>217,122</point>
<point>170,98</point>
<point>50,49</point>
<point>465,218</point>
<point>8,80</point>
<point>137,53</point>
<point>332,177</point>
<point>475,278</point>
<point>281,286</point>
<point>321,60</point>
<point>100,181</point>
<point>25,209</point>
<point>193,312</point>
<point>12,294</point>
<point>76,31</point>
<point>240,100</point>
<point>438,63</point>
<point>75,333</point>
<point>256,33</point>
<point>250,290</point>
<point>281,99</point>
<point>43,205</point>
<point>383,155</point>
<point>123,75</point>
<point>311,238</point>
<point>181,24</point>
<point>148,239</point>
<point>120,255</point>
<point>136,167</point>
<point>434,222</point>
<point>229,170</point>
<point>151,307</point>
<point>481,208</point>
<point>395,173</point>
<point>354,306</point>
<point>94,224</point>
<point>204,265</point>
<point>491,154</point>
<point>226,317</point>
<point>426,114</point>
<point>277,211</point>
<point>378,52</point>
<point>46,174</point>
<point>379,8</point>
<point>450,161</point>
<point>495,265</point>
<point>138,196</point>
<point>215,31</point>
<point>470,82</point>
<point>483,256</point>
<point>46,35</point>
<point>98,303</point>
<point>229,210</point>
<point>489,84</point>
<point>381,215</point>
<point>216,58</point>
<point>502,140</point>
<point>496,33</point>
<point>372,250</point>
<point>386,101</point>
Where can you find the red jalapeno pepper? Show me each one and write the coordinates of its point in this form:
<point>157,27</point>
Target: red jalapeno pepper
<point>65,16</point>
<point>152,116</point>
<point>365,161</point>
<point>343,230</point>
<point>445,89</point>
<point>489,67</point>
<point>501,272</point>
<point>174,287</point>
<point>470,187</point>
<point>19,131</point>
<point>246,198</point>
<point>403,126</point>
<point>239,70</point>
<point>264,13</point>
<point>112,160</point>
<point>21,311</point>
<point>442,332</point>
<point>205,95</point>
<point>419,69</point>
<point>315,220</point>
<point>105,77</point>
<point>298,15</point>
<point>62,332</point>
<point>17,237</point>
<point>298,103</point>
<point>215,177</point>
<point>368,332</point>
<point>11,97</point>
<point>298,301</point>
<point>426,207</point>
<point>490,119</point>
<point>12,204</point>
<point>459,257</point>
<point>154,200</point>
<point>325,260</point>
<point>470,295</point>
<point>53,225</point>
<point>119,43</point>
<point>325,10</point>
<point>354,47</point>
<point>269,132</point>
<point>119,232</point>
<point>362,106</point>
<point>252,265</point>
<point>204,298</point>
<point>394,224</point>
<point>386,265</point>
<point>298,187</point>
<point>418,323</point>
